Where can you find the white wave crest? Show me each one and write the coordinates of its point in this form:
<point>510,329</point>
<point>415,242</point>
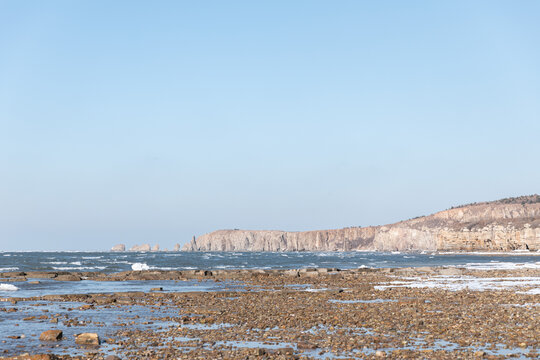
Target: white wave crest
<point>140,267</point>
<point>8,287</point>
<point>9,269</point>
<point>65,268</point>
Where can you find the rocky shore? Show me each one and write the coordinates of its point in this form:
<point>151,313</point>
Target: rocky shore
<point>285,314</point>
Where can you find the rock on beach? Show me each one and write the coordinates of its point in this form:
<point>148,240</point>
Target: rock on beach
<point>87,339</point>
<point>51,335</point>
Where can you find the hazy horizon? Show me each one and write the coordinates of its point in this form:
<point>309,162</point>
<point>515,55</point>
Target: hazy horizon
<point>134,122</point>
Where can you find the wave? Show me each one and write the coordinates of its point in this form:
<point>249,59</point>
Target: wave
<point>8,287</point>
<point>140,267</point>
<point>9,269</point>
<point>65,268</point>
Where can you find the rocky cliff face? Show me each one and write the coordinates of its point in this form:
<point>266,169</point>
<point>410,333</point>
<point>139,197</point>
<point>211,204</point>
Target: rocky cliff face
<point>244,240</point>
<point>504,225</point>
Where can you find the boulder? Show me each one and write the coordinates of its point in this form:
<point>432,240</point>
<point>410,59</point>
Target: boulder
<point>155,247</point>
<point>51,335</point>
<point>112,357</point>
<point>451,271</point>
<point>176,247</point>
<point>292,272</point>
<point>119,247</point>
<point>87,339</point>
<point>68,277</point>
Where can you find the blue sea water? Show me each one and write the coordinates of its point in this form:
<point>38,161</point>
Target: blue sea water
<point>110,262</point>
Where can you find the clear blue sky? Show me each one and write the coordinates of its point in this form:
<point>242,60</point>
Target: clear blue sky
<point>150,122</point>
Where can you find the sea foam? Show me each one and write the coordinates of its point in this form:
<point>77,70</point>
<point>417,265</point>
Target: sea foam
<point>139,267</point>
<point>8,287</point>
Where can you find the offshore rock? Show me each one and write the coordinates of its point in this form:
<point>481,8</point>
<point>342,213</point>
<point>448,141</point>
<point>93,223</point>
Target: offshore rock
<point>143,247</point>
<point>119,247</point>
<point>155,247</point>
<point>503,225</point>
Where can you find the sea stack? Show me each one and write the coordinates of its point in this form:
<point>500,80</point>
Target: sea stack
<point>143,247</point>
<point>155,247</point>
<point>119,247</point>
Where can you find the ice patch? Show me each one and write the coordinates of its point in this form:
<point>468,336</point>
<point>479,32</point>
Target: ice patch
<point>315,290</point>
<point>140,267</point>
<point>8,287</point>
<point>496,265</point>
<point>458,283</point>
<point>532,292</point>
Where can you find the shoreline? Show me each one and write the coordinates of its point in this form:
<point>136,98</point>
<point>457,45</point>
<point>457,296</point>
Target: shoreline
<point>431,312</point>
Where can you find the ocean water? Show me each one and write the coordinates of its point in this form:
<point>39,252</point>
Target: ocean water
<point>110,262</point>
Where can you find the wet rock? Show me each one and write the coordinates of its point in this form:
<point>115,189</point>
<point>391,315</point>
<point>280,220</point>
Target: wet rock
<point>87,339</point>
<point>380,353</point>
<point>51,335</point>
<point>112,357</point>
<point>451,271</point>
<point>68,277</point>
<point>292,273</point>
<point>33,357</point>
<point>286,351</point>
<point>306,345</point>
<point>41,275</point>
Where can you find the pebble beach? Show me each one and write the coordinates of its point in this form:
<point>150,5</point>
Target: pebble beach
<point>308,313</point>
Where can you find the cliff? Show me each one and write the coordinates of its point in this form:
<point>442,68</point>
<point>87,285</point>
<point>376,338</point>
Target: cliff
<point>503,225</point>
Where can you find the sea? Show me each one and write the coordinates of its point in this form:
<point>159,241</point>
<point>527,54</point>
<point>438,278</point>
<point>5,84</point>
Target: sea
<point>18,335</point>
<point>110,262</point>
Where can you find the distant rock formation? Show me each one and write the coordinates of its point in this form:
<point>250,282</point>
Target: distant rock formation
<point>155,247</point>
<point>143,247</point>
<point>503,225</point>
<point>176,247</point>
<point>119,247</point>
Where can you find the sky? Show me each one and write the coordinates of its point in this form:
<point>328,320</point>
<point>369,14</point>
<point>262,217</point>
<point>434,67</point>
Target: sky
<point>153,121</point>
